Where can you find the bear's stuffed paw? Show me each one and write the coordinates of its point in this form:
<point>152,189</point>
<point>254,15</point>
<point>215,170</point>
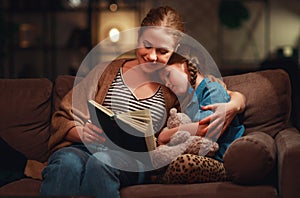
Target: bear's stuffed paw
<point>202,146</point>
<point>179,137</point>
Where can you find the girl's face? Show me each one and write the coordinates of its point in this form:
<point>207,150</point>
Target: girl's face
<point>155,45</point>
<point>176,78</point>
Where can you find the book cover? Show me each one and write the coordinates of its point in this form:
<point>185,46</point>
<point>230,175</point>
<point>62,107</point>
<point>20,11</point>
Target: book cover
<point>131,130</point>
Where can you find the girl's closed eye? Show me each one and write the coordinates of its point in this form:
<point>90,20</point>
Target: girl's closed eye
<point>163,51</point>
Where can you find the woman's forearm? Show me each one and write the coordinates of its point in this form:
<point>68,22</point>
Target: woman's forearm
<point>74,134</point>
<point>237,101</point>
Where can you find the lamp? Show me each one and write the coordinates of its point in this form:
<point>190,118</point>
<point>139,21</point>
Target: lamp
<point>74,4</point>
<point>288,52</point>
<point>113,6</point>
<point>114,35</point>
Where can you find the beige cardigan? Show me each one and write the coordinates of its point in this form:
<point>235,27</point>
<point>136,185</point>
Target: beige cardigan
<point>73,108</point>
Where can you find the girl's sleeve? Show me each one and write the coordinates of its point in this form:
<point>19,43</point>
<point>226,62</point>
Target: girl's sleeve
<point>212,93</point>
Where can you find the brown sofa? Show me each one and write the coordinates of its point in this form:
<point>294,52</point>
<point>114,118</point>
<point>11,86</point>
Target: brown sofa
<point>263,163</point>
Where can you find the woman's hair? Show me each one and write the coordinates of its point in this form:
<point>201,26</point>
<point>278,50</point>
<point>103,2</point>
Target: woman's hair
<point>164,16</point>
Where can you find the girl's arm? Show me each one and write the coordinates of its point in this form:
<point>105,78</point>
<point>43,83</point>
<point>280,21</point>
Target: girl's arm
<point>194,128</point>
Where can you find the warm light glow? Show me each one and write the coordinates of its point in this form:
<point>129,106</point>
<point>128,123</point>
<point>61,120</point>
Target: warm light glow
<point>113,7</point>
<point>114,35</point>
<point>74,3</point>
<point>287,51</point>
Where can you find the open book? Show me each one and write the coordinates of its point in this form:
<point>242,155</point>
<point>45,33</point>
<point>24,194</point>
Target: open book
<point>131,130</point>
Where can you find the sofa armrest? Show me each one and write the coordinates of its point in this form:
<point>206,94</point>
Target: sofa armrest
<point>250,158</point>
<point>288,146</point>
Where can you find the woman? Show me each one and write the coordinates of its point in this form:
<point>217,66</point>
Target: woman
<point>72,169</point>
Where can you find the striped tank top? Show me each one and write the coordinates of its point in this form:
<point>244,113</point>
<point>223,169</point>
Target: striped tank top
<point>120,99</point>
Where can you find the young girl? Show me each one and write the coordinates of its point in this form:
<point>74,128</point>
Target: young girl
<point>195,90</point>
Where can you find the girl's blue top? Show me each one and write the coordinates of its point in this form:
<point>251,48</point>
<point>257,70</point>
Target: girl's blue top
<point>210,93</point>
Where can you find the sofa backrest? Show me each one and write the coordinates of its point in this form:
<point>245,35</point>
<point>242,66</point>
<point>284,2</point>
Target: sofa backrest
<point>25,113</point>
<point>26,107</point>
<point>268,95</point>
<point>62,85</point>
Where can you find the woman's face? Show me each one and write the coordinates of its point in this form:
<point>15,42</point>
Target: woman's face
<point>155,45</point>
<point>175,77</point>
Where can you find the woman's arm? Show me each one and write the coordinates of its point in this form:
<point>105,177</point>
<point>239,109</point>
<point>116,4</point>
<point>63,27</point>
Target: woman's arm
<point>237,101</point>
<point>68,122</point>
<point>75,134</point>
<point>217,121</point>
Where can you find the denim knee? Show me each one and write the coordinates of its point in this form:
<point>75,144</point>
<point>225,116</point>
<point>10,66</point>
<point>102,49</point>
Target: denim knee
<point>101,162</point>
<point>68,159</point>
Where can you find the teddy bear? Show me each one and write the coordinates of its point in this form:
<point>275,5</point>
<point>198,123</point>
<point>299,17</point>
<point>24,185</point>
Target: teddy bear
<point>182,142</point>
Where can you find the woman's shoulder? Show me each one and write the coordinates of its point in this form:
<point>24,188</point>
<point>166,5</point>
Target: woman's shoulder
<point>112,66</point>
<point>121,61</point>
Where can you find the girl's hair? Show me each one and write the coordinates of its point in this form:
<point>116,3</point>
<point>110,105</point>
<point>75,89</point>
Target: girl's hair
<point>193,69</point>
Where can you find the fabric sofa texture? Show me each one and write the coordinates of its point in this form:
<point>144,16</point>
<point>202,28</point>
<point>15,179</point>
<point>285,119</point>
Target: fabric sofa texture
<point>263,163</point>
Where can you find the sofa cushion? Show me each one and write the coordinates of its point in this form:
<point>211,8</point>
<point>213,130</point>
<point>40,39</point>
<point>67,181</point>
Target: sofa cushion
<point>25,187</point>
<point>25,113</point>
<point>268,95</point>
<point>200,190</point>
<point>250,158</point>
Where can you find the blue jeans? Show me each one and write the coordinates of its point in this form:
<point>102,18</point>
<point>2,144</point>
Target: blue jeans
<point>75,171</point>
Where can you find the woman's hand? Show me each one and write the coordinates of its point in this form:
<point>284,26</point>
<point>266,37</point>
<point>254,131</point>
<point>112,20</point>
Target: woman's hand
<point>87,133</point>
<point>217,122</point>
<point>92,134</point>
<point>223,114</point>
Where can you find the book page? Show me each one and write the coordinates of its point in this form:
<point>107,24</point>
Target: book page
<point>139,119</point>
<point>102,108</point>
<point>142,121</point>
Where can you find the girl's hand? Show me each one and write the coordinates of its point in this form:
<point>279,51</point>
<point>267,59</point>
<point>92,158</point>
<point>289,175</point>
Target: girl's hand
<point>92,134</point>
<point>217,122</point>
<point>201,131</point>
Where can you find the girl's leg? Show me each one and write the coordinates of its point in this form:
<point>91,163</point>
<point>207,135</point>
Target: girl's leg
<point>102,179</point>
<point>190,168</point>
<point>63,174</point>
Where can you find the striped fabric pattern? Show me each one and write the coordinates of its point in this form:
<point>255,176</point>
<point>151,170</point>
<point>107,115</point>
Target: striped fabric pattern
<point>120,99</point>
